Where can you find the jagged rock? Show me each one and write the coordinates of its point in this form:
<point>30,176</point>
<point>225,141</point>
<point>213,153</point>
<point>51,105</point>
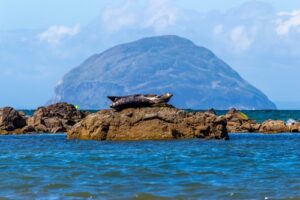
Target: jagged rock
<point>274,126</point>
<point>294,127</point>
<point>149,123</point>
<point>211,111</point>
<point>55,118</point>
<point>238,122</point>
<point>11,119</point>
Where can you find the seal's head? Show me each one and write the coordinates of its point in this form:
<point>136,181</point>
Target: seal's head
<point>166,97</point>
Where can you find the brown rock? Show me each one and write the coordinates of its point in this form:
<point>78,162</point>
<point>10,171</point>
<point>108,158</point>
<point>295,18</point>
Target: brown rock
<point>235,115</point>
<point>28,129</point>
<point>55,118</point>
<point>238,122</point>
<point>149,123</point>
<point>10,120</point>
<point>211,111</point>
<point>294,127</point>
<point>274,126</point>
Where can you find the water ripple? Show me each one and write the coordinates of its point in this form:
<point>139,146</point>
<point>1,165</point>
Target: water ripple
<point>249,166</point>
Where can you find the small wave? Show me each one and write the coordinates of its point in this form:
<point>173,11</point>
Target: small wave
<point>291,121</point>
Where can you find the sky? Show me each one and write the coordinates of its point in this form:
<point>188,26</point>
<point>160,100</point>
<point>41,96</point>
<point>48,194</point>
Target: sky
<point>35,14</point>
<point>42,40</point>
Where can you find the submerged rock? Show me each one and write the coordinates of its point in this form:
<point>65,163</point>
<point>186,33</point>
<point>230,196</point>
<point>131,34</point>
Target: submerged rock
<point>149,123</point>
<point>55,118</point>
<point>11,120</point>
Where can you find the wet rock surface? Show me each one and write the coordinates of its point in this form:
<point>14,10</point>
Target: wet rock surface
<point>149,123</point>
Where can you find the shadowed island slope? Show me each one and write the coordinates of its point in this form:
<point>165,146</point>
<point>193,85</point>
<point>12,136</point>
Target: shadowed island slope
<point>198,78</point>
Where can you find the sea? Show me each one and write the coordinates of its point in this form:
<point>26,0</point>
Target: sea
<point>248,166</point>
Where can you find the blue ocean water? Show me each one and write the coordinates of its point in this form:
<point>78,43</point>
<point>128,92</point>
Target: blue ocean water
<point>249,166</point>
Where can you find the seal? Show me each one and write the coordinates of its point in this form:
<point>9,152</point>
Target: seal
<point>138,100</point>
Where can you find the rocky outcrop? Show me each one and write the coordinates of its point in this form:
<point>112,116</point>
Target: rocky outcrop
<point>294,127</point>
<point>11,120</point>
<point>136,123</point>
<point>55,118</point>
<point>149,123</point>
<point>274,126</point>
<point>238,122</point>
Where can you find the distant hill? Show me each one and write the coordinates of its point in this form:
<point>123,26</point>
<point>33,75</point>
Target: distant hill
<point>197,78</point>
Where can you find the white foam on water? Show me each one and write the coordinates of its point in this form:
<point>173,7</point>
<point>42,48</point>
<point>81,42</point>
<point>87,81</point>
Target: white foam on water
<point>290,121</point>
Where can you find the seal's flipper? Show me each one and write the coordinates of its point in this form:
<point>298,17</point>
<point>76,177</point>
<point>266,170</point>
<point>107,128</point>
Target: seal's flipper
<point>113,98</point>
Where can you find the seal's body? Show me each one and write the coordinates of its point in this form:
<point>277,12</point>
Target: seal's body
<point>138,100</point>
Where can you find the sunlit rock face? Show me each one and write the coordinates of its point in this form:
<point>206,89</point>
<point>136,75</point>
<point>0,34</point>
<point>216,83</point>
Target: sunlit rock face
<point>197,78</point>
<point>149,123</point>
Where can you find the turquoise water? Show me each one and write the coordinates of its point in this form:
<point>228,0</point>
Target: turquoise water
<point>249,166</point>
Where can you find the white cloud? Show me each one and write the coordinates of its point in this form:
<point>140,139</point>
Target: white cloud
<point>293,13</point>
<point>160,15</point>
<point>55,34</point>
<point>157,15</point>
<point>116,18</point>
<point>218,29</point>
<point>240,38</point>
<point>287,21</point>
